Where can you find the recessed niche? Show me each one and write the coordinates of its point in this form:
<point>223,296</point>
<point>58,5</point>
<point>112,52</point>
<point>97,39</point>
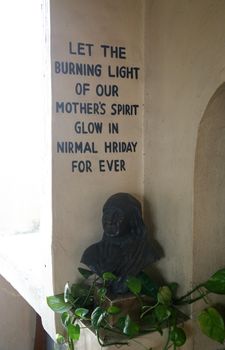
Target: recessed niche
<point>209,189</point>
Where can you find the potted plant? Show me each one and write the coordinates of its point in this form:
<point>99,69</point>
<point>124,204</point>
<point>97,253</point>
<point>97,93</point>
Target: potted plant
<point>88,304</point>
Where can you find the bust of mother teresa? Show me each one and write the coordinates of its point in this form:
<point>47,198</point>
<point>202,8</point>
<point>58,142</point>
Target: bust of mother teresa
<point>124,249</point>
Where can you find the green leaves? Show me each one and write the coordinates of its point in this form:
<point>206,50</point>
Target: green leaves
<point>113,310</point>
<point>65,319</point>
<point>177,336</point>
<point>109,276</point>
<point>97,317</point>
<point>79,290</point>
<point>73,331</point>
<point>173,286</point>
<point>81,312</point>
<point>164,295</point>
<point>211,324</point>
<point>67,292</point>
<point>85,273</point>
<point>101,292</point>
<point>121,323</point>
<point>134,285</point>
<point>162,312</point>
<point>58,304</point>
<point>77,303</point>
<point>149,287</point>
<point>216,283</point>
<point>131,329</point>
<point>60,339</point>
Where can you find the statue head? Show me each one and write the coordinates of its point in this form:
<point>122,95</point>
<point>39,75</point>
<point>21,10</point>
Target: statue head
<point>122,216</point>
<point>124,249</point>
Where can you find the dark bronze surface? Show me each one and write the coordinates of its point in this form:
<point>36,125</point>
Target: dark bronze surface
<point>124,249</point>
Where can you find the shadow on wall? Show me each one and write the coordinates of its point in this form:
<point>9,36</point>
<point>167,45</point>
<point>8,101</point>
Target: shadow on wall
<point>153,271</point>
<point>209,193</point>
<point>209,189</point>
<point>209,197</point>
<point>17,321</point>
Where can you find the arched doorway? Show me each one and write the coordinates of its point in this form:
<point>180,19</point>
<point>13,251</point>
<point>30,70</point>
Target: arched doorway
<point>209,196</point>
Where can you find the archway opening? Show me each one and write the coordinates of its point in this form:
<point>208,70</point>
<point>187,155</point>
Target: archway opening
<point>209,189</point>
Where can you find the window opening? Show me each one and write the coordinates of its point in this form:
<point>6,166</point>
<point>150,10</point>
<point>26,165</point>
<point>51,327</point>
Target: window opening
<point>21,116</point>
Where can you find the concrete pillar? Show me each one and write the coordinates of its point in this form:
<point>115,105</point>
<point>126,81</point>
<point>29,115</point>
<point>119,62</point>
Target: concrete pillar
<point>97,111</point>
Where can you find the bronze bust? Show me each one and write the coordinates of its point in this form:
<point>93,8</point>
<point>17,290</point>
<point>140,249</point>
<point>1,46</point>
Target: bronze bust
<point>124,249</point>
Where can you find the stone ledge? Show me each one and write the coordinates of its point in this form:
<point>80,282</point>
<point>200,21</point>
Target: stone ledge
<point>20,264</point>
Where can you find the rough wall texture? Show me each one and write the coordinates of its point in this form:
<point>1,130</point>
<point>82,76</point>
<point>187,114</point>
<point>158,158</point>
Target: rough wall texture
<point>184,60</point>
<point>17,322</point>
<point>184,66</point>
<point>78,196</point>
<point>209,198</point>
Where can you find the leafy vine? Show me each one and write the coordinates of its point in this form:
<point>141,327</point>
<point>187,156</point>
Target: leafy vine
<point>84,304</point>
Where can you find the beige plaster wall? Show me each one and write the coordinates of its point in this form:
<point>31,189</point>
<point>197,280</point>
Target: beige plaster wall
<point>18,319</point>
<point>209,221</point>
<point>183,45</point>
<point>179,49</point>
<point>184,66</point>
<point>78,197</point>
<point>209,197</point>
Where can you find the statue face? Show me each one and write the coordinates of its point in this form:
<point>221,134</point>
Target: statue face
<point>114,222</point>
